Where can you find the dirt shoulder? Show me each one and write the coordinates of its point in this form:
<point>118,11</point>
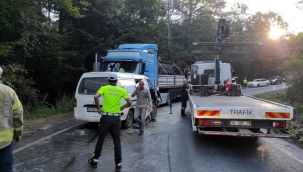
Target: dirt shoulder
<point>34,125</point>
<point>35,129</point>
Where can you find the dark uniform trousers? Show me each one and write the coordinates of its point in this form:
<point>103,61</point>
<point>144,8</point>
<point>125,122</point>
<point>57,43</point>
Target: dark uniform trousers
<point>184,98</point>
<point>6,158</point>
<point>183,106</point>
<point>110,124</point>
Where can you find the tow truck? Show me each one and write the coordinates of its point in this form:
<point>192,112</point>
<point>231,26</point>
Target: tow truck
<point>218,107</point>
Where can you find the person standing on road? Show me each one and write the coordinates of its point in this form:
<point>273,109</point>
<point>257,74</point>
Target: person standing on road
<point>144,102</point>
<point>244,83</point>
<point>11,124</point>
<point>110,119</point>
<point>184,97</point>
<point>153,114</point>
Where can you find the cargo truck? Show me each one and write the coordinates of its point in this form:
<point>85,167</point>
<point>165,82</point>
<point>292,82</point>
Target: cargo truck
<point>165,79</point>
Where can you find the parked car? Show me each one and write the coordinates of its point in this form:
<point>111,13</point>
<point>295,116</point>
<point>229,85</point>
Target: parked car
<point>276,80</point>
<point>88,85</point>
<point>258,83</point>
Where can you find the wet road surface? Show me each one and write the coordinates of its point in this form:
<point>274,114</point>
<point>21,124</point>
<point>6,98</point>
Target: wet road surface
<point>168,145</point>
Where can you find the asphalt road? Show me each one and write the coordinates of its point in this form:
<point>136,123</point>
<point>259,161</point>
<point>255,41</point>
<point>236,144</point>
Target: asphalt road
<point>260,90</point>
<point>168,145</point>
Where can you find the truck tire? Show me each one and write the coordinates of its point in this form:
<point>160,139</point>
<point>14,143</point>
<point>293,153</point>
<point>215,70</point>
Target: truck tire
<point>129,121</point>
<point>255,130</point>
<point>232,129</point>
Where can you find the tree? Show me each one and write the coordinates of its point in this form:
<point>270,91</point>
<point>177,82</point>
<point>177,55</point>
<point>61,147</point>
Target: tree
<point>294,68</point>
<point>258,26</point>
<point>141,19</point>
<point>264,61</point>
<point>16,76</point>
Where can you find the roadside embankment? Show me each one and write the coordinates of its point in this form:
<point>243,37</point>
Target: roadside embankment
<point>295,127</point>
<point>43,117</point>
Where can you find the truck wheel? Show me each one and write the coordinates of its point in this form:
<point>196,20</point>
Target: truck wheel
<point>255,130</point>
<point>232,129</point>
<point>128,122</point>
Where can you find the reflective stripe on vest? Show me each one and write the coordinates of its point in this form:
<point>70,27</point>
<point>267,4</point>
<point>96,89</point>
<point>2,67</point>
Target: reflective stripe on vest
<point>16,105</point>
<point>6,135</point>
<point>19,128</point>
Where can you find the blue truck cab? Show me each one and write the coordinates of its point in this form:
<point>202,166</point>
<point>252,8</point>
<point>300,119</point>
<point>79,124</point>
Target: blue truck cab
<point>133,58</point>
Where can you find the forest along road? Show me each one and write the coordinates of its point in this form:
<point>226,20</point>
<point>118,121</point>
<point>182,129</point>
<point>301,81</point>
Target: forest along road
<point>168,145</point>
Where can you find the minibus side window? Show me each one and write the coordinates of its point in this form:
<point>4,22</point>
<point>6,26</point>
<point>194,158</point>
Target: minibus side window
<point>90,86</point>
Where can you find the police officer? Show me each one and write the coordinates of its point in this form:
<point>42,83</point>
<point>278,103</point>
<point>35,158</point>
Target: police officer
<point>110,119</point>
<point>11,124</point>
<point>184,97</point>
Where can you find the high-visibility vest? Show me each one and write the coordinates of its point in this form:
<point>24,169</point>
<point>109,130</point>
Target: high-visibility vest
<point>11,116</point>
<point>245,81</point>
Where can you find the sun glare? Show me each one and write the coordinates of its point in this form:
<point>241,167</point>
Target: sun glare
<point>275,33</point>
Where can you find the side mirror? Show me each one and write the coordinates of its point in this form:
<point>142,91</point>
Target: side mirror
<point>151,51</point>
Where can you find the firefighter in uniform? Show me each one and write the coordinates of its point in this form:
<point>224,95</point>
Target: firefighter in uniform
<point>11,125</point>
<point>110,118</point>
<point>184,97</point>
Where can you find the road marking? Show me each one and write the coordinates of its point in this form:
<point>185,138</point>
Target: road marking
<point>45,138</point>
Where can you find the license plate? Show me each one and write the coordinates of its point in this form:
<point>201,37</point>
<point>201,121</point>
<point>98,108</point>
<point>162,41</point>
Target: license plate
<point>92,109</point>
<point>240,123</point>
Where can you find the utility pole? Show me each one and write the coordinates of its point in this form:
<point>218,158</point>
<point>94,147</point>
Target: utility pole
<point>168,27</point>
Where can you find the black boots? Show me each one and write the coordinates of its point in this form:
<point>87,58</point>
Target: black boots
<point>183,113</point>
<point>118,167</point>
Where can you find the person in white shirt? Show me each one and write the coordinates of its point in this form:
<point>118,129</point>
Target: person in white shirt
<point>144,101</point>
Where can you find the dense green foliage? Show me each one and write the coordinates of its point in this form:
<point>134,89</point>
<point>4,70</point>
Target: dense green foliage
<point>46,45</point>
<point>295,72</point>
<point>276,96</point>
<point>63,105</point>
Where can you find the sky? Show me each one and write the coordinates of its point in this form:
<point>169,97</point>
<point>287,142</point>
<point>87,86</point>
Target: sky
<point>285,8</point>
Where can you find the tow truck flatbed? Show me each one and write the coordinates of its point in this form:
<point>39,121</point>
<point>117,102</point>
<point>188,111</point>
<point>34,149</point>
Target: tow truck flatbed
<point>241,116</point>
<point>239,101</point>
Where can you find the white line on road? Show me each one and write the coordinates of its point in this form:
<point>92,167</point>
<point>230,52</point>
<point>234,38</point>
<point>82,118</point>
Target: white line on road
<point>40,140</point>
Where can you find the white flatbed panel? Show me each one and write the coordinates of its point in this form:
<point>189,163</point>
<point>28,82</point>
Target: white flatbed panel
<point>170,81</point>
<point>240,107</point>
<point>228,101</point>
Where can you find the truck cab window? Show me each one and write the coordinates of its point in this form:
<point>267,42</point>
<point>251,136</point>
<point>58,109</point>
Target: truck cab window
<point>210,73</point>
<point>119,66</point>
